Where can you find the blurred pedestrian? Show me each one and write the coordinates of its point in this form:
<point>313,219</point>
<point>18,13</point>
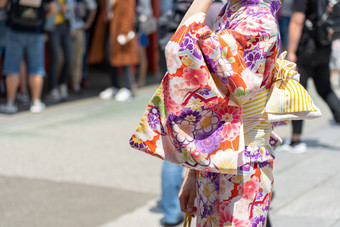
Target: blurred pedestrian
<point>59,38</point>
<point>312,60</point>
<point>335,60</point>
<point>85,12</point>
<point>146,24</point>
<point>24,38</point>
<point>285,15</point>
<point>123,48</point>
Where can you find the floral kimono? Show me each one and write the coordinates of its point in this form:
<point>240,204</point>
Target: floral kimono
<point>209,113</point>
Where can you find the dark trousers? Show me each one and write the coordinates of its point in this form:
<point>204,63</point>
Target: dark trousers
<point>60,37</point>
<point>320,75</point>
<point>126,74</point>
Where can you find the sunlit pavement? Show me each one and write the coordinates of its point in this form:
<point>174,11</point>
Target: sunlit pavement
<point>72,166</point>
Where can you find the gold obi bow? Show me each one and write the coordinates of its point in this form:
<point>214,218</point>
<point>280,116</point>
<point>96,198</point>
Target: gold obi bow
<point>288,99</point>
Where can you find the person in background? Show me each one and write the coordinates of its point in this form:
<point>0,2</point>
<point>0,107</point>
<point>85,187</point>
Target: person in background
<point>24,38</point>
<point>285,15</point>
<point>145,25</point>
<point>60,37</point>
<point>85,12</point>
<point>22,96</point>
<point>335,60</point>
<point>313,62</point>
<point>123,48</point>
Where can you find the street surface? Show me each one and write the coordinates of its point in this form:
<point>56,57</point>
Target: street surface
<point>72,166</point>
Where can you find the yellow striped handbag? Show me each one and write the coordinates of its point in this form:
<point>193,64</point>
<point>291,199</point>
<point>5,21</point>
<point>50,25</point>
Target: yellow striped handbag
<point>288,99</point>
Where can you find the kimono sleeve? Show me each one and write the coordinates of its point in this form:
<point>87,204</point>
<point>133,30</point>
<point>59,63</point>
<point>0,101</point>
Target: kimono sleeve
<point>242,57</point>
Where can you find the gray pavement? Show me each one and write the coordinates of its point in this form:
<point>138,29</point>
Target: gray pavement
<point>72,166</point>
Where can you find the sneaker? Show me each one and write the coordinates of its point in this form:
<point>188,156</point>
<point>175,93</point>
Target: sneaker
<point>23,98</point>
<point>76,88</point>
<point>294,148</point>
<point>123,95</point>
<point>8,108</point>
<point>108,93</point>
<point>63,91</point>
<point>37,107</point>
<point>53,96</point>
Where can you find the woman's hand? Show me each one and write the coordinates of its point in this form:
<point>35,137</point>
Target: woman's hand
<point>187,194</point>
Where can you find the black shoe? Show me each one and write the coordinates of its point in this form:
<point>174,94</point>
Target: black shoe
<point>172,224</point>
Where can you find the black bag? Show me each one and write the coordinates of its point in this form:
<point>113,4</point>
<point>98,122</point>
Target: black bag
<point>327,27</point>
<point>27,13</point>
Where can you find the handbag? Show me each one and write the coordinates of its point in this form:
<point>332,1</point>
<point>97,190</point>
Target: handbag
<point>288,99</point>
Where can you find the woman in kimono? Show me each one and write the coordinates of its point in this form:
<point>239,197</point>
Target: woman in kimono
<point>214,109</point>
<point>240,51</point>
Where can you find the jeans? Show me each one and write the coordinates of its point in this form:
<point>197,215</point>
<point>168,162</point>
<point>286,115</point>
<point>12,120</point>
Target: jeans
<point>60,37</point>
<point>171,184</point>
<point>284,25</point>
<point>20,44</point>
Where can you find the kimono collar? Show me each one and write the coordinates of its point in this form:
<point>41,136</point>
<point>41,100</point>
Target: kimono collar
<point>274,5</point>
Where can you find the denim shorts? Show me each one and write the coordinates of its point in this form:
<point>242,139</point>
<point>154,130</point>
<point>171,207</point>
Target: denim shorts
<point>20,44</point>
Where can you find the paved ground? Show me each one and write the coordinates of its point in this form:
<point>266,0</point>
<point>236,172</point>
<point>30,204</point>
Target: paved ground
<point>72,166</point>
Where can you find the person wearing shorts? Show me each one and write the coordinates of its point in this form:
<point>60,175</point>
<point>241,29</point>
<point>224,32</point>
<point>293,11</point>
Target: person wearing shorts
<point>25,43</point>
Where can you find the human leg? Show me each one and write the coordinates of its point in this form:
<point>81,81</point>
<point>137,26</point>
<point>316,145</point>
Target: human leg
<point>15,44</point>
<point>36,83</point>
<point>143,60</point>
<point>111,91</point>
<point>171,184</point>
<point>125,93</point>
<point>78,53</point>
<point>323,86</point>
<point>12,85</point>
<point>36,71</point>
<point>66,44</point>
<point>53,45</point>
<point>295,145</point>
<point>22,96</point>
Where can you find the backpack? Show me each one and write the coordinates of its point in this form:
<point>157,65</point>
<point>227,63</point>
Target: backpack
<point>27,13</point>
<point>327,21</point>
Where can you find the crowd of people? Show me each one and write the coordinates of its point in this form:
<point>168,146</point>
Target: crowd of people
<point>39,39</point>
<point>48,44</point>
